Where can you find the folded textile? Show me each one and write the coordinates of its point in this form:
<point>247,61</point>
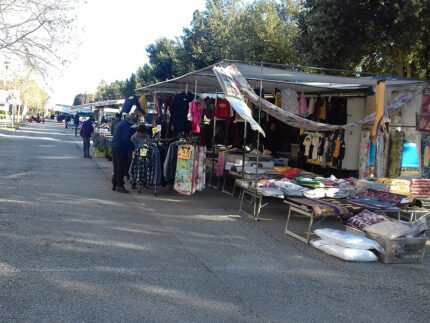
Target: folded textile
<point>308,182</point>
<point>385,197</point>
<point>319,207</point>
<point>326,192</point>
<point>389,229</point>
<point>274,192</point>
<point>364,219</point>
<point>292,173</point>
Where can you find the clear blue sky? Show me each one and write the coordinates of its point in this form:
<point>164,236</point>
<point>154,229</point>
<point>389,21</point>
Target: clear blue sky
<point>113,41</point>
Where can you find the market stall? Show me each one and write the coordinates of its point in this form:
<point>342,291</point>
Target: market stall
<point>331,124</point>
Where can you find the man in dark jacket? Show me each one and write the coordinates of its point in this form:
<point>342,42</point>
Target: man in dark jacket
<point>121,148</point>
<point>76,123</point>
<point>86,131</point>
<point>115,123</point>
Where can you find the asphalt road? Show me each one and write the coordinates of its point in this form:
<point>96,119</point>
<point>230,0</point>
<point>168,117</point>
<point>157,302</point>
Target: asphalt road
<point>72,250</point>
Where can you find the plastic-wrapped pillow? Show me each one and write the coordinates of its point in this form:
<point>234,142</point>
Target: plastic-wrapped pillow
<point>348,240</point>
<point>389,229</point>
<point>348,254</point>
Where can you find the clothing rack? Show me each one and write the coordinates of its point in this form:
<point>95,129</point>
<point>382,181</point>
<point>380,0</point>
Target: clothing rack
<point>152,141</point>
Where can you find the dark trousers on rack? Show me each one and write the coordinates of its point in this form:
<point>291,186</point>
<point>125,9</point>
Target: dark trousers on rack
<point>337,163</point>
<point>121,164</point>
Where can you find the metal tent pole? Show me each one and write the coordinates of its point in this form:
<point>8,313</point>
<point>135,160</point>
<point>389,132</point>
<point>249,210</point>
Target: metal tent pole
<point>259,118</point>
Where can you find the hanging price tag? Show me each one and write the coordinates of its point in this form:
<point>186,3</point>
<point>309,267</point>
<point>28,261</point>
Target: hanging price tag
<point>143,152</point>
<point>154,130</point>
<point>184,153</point>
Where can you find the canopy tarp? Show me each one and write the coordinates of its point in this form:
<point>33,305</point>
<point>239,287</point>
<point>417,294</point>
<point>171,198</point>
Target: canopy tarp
<point>235,85</point>
<point>271,79</point>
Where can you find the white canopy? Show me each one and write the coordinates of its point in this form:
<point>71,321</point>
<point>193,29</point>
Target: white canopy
<point>273,78</point>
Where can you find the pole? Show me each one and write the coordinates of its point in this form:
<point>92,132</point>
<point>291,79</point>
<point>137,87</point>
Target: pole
<point>244,150</point>
<point>213,136</point>
<point>259,117</point>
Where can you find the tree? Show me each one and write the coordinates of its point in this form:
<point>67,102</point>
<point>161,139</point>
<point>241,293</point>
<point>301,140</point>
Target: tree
<point>386,36</point>
<point>31,31</point>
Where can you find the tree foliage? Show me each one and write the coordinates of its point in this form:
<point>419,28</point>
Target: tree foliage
<point>31,31</point>
<point>386,36</point>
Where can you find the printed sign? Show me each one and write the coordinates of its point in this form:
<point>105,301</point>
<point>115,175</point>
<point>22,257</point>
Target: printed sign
<point>184,153</point>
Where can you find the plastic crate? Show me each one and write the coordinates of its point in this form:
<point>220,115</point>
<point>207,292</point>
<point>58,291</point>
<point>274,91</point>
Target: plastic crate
<point>401,250</point>
<point>99,154</point>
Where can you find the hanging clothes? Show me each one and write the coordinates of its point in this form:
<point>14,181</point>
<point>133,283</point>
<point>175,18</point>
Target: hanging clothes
<point>382,156</point>
<point>146,166</point>
<point>315,144</point>
<point>196,110</point>
<point>363,163</point>
<point>425,156</point>
<point>396,153</point>
<point>290,101</point>
<point>303,106</point>
<point>179,111</point>
<point>277,96</point>
<point>223,109</point>
<point>311,106</point>
<point>325,152</point>
<point>143,104</point>
<point>323,111</point>
<point>169,169</point>
<point>307,143</point>
<point>184,170</point>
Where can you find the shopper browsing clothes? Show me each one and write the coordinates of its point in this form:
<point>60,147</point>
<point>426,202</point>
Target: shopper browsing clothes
<point>86,131</point>
<point>115,123</point>
<point>122,148</point>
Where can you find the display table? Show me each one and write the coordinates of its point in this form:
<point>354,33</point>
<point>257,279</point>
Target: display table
<point>311,209</point>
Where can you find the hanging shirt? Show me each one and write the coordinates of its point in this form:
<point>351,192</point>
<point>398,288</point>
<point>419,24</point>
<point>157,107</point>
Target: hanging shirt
<point>303,106</point>
<point>315,144</point>
<point>278,98</point>
<point>290,101</point>
<point>311,106</point>
<point>307,143</point>
<point>336,152</point>
<point>197,110</point>
<point>323,110</point>
<point>223,109</point>
<point>143,104</point>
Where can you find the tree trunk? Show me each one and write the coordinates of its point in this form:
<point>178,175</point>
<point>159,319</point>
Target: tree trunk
<point>399,64</point>
<point>409,70</point>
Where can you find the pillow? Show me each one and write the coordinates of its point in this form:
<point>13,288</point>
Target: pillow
<point>389,230</point>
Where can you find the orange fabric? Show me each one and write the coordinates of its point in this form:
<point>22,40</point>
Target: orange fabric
<point>336,152</point>
<point>380,107</point>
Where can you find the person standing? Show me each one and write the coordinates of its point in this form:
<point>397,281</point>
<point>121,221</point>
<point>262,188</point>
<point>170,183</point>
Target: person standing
<point>86,131</point>
<point>115,123</point>
<point>122,147</point>
<point>76,123</point>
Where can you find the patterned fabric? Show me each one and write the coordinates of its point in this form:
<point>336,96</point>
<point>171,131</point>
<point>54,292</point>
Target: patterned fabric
<point>364,219</point>
<point>352,208</point>
<point>184,170</point>
<point>320,208</point>
<point>239,83</point>
<point>425,156</point>
<point>290,101</point>
<point>146,166</point>
<point>200,176</point>
<point>396,153</point>
<point>383,146</point>
<point>384,197</point>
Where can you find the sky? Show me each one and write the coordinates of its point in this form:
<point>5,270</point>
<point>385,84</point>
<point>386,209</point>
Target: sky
<point>113,42</point>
